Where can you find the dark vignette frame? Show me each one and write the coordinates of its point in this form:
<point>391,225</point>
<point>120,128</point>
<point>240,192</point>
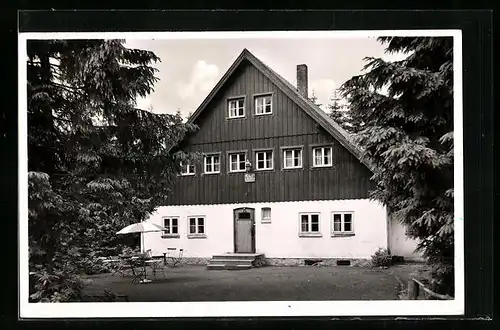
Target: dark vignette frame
<point>476,27</point>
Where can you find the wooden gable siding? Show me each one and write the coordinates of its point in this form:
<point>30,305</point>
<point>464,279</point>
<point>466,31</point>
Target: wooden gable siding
<point>287,126</point>
<point>287,118</point>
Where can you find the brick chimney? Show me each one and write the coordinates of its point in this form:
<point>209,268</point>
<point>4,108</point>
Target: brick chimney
<point>302,80</point>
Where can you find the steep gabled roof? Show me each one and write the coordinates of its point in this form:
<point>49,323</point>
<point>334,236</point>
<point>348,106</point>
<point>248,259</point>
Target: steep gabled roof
<point>305,104</point>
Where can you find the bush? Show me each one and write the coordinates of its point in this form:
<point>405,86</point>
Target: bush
<point>381,258</point>
<point>57,287</point>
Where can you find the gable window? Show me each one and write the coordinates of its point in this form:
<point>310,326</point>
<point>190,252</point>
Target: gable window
<point>187,169</point>
<point>196,226</point>
<point>236,108</point>
<point>237,162</point>
<point>292,158</point>
<point>342,223</point>
<point>264,160</point>
<point>266,215</point>
<point>263,105</point>
<point>322,156</point>
<point>171,225</point>
<point>212,164</point>
<point>309,224</point>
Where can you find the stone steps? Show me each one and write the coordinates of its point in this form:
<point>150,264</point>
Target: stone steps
<point>228,267</point>
<point>233,261</point>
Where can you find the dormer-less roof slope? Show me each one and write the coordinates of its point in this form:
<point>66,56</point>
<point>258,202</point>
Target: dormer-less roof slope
<point>305,104</point>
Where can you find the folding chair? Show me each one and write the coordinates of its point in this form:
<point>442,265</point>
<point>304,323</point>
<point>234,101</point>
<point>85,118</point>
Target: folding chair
<point>174,255</point>
<point>116,264</point>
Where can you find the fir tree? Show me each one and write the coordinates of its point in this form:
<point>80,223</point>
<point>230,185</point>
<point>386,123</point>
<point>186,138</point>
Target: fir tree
<point>338,113</point>
<point>96,163</point>
<point>314,98</point>
<point>408,137</point>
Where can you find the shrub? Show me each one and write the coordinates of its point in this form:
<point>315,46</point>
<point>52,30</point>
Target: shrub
<point>381,258</point>
<point>57,287</point>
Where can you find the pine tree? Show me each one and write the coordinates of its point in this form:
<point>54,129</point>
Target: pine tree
<point>314,98</point>
<point>96,163</point>
<point>338,113</point>
<point>408,137</point>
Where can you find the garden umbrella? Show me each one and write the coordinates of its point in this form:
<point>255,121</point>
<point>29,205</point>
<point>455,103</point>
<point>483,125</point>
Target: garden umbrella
<point>141,227</point>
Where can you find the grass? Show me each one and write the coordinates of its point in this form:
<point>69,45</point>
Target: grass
<point>195,283</point>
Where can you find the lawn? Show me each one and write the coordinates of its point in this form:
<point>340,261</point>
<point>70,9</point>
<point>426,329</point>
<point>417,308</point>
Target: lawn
<point>195,283</point>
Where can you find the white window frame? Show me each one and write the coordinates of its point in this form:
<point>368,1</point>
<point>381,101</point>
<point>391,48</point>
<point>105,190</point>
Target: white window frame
<point>238,161</point>
<point>212,163</point>
<point>309,232</point>
<point>260,103</point>
<point>342,231</point>
<point>265,219</point>
<point>187,166</point>
<point>264,151</point>
<point>170,233</point>
<point>323,148</point>
<point>233,104</point>
<point>196,234</point>
<point>291,149</point>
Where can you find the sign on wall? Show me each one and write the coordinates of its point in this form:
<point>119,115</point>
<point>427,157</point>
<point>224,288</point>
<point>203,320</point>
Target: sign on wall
<point>249,177</point>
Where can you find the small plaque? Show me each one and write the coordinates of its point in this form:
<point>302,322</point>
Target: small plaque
<point>249,177</point>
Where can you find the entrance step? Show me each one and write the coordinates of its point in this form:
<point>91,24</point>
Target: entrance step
<point>228,267</point>
<point>239,256</point>
<point>236,261</point>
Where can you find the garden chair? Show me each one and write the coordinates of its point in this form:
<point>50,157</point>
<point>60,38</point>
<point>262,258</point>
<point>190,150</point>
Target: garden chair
<point>155,264</point>
<point>116,264</point>
<point>173,255</point>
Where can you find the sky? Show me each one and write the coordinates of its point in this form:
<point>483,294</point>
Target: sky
<point>190,68</point>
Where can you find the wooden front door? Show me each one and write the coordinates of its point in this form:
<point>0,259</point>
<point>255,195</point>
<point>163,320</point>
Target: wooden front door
<point>244,231</point>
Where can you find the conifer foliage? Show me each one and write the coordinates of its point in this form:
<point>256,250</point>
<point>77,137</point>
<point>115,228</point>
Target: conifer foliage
<point>96,163</point>
<point>339,112</point>
<point>407,109</point>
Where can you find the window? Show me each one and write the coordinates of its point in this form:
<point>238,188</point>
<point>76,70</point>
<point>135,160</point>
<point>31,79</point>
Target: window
<point>292,158</point>
<point>263,105</point>
<point>171,225</point>
<point>322,156</point>
<point>196,226</point>
<point>212,164</point>
<point>187,169</point>
<point>342,223</point>
<point>236,108</point>
<point>237,162</point>
<point>266,215</point>
<point>309,224</point>
<point>264,160</point>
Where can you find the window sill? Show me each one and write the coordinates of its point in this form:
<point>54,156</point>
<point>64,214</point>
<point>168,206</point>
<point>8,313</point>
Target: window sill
<point>190,174</point>
<point>262,114</point>
<point>265,221</point>
<point>196,236</point>
<point>236,172</point>
<point>342,235</point>
<point>170,236</point>
<point>292,168</point>
<point>210,173</point>
<point>310,235</point>
<point>264,170</point>
<point>321,166</point>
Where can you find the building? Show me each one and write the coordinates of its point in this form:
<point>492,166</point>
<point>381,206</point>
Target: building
<point>277,177</point>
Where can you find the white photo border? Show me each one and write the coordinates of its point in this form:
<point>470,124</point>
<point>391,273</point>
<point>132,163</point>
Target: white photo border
<point>244,308</point>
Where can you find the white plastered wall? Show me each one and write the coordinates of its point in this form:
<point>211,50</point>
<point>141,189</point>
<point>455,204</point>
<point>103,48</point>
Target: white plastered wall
<point>399,243</point>
<point>280,238</point>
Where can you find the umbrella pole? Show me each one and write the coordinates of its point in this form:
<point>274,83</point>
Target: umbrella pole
<point>142,242</point>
